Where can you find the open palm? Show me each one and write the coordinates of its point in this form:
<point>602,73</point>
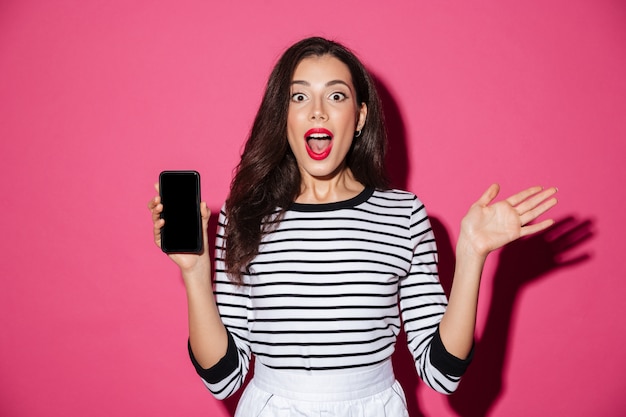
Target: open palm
<point>491,226</point>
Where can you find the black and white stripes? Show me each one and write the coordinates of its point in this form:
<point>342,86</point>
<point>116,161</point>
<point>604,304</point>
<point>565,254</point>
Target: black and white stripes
<point>327,287</point>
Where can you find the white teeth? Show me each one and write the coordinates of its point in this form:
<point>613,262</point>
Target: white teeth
<point>318,136</point>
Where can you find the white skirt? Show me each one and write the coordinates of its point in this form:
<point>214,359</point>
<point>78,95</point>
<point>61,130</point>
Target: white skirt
<point>373,392</point>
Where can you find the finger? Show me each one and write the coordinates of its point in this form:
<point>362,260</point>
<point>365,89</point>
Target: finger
<point>536,227</point>
<point>531,215</point>
<point>535,200</point>
<point>204,211</point>
<point>157,231</point>
<point>516,199</point>
<point>157,226</point>
<point>154,202</point>
<point>156,212</point>
<point>156,187</point>
<point>489,195</point>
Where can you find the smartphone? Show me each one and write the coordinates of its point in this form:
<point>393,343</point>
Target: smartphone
<point>180,196</point>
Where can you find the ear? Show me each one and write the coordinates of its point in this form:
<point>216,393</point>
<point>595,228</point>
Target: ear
<point>361,116</point>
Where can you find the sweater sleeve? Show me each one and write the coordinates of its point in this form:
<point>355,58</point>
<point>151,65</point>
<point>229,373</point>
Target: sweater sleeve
<point>222,369</point>
<point>423,303</point>
<point>228,375</point>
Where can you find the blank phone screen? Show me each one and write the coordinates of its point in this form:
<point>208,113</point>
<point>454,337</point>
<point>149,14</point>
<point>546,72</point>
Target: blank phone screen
<point>180,196</point>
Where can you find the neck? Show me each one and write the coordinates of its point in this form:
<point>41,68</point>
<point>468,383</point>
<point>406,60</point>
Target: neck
<point>340,187</point>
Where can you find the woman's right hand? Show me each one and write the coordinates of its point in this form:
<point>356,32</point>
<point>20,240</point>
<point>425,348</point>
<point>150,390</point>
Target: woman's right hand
<point>185,261</point>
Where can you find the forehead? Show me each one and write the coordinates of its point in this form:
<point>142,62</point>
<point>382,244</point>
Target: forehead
<point>322,69</point>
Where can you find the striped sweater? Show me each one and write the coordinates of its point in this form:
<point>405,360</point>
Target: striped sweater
<point>329,290</point>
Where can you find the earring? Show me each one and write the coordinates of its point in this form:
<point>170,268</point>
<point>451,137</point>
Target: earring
<point>358,133</point>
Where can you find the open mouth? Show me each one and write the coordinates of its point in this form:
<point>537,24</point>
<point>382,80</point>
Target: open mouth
<point>319,142</point>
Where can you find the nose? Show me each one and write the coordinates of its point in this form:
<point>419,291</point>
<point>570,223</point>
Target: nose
<point>317,111</point>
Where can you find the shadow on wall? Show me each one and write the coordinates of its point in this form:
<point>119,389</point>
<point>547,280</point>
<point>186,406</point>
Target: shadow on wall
<point>397,160</point>
<point>519,263</point>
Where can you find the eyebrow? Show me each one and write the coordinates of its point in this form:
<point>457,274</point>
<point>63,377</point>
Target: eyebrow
<point>328,84</point>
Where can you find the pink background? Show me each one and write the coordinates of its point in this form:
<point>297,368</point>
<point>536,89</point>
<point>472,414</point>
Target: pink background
<point>97,97</point>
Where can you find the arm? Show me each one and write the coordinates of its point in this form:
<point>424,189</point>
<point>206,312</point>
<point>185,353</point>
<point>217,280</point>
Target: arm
<point>207,335</point>
<point>226,376</point>
<point>485,228</point>
<point>423,303</point>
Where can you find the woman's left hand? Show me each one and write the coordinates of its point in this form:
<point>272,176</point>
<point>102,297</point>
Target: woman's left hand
<point>488,226</point>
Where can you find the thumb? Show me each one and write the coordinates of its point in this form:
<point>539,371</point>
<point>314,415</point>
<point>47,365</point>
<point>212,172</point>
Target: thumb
<point>489,195</point>
<point>204,212</point>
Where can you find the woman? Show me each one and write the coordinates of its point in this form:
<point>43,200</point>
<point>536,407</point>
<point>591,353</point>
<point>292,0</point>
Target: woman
<point>317,259</point>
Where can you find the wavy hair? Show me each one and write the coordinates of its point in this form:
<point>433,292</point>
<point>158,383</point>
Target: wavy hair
<point>267,177</point>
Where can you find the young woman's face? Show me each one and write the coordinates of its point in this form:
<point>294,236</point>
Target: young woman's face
<point>323,116</point>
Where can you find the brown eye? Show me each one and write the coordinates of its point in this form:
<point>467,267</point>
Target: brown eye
<point>298,97</point>
<point>338,96</point>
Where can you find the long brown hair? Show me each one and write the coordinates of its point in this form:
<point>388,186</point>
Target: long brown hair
<point>267,178</point>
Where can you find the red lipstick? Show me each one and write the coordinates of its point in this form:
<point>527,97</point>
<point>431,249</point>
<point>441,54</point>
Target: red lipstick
<point>318,134</point>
